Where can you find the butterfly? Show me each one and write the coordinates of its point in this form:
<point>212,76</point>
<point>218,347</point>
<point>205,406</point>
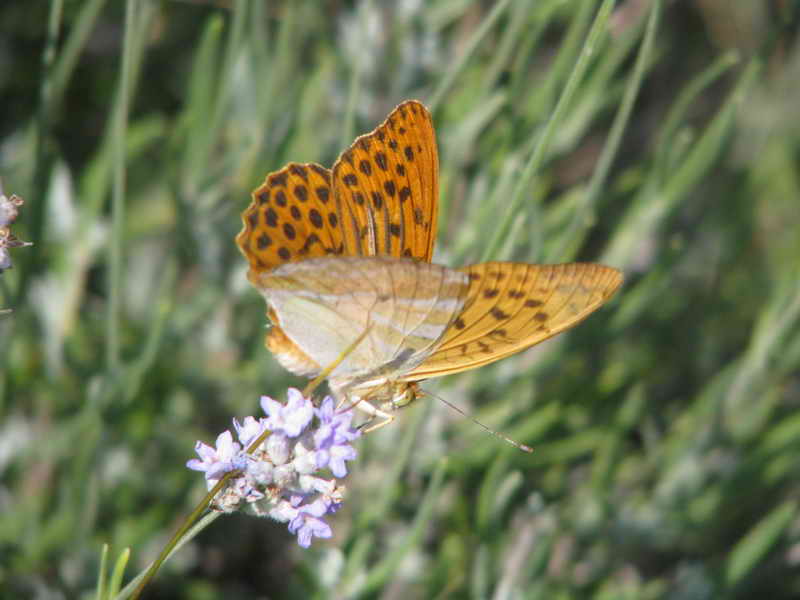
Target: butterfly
<point>345,253</point>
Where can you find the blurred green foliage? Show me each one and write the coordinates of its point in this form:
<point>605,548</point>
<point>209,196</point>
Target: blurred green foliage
<point>662,140</point>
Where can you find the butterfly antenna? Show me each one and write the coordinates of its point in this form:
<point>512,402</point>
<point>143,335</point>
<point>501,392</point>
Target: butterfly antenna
<point>496,434</point>
<point>314,383</point>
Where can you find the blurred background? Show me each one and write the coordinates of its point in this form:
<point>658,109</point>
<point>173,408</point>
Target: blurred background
<point>658,137</point>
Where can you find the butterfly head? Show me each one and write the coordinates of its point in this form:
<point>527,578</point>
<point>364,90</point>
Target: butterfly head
<point>402,394</point>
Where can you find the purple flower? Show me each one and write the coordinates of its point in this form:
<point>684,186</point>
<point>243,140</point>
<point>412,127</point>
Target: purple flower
<point>217,461</point>
<point>307,522</point>
<point>291,418</point>
<point>334,426</point>
<point>335,458</point>
<point>249,429</point>
<point>332,437</point>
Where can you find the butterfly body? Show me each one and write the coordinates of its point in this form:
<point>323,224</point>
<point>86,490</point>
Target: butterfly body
<point>346,253</point>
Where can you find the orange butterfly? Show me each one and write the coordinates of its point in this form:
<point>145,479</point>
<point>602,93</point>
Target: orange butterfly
<point>340,253</point>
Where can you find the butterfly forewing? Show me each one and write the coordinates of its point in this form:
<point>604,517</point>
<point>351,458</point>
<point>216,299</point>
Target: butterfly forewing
<point>387,184</point>
<point>381,199</point>
<point>292,217</point>
<point>512,306</point>
<point>323,305</point>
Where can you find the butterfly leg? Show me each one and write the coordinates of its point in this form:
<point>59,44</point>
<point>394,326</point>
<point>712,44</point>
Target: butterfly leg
<point>374,413</point>
<point>387,418</point>
<point>346,402</point>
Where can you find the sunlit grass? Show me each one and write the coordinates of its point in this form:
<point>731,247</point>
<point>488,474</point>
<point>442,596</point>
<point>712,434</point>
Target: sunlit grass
<point>664,427</point>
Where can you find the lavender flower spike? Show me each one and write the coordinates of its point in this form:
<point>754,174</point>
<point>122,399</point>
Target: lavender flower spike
<point>282,477</point>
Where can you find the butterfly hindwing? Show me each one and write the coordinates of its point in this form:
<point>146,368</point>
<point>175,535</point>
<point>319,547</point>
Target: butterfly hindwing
<point>387,185</point>
<point>512,306</point>
<point>323,305</point>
